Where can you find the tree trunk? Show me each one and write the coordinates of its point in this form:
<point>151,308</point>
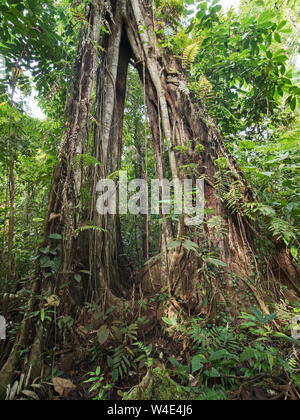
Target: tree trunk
<point>177,121</point>
<point>61,218</point>
<point>11,218</point>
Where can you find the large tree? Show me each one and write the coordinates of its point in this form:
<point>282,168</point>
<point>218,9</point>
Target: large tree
<point>115,33</point>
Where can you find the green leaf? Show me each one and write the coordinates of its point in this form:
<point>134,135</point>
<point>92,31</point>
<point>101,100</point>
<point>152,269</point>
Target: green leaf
<point>265,16</point>
<point>213,373</point>
<point>115,374</point>
<point>216,262</point>
<point>45,262</point>
<point>45,251</point>
<point>218,355</point>
<point>167,321</point>
<point>286,337</point>
<point>281,58</point>
<point>294,252</point>
<point>55,236</point>
<point>42,314</point>
<point>258,314</point>
<point>174,244</point>
<point>277,37</point>
<point>198,362</point>
<point>248,324</point>
<point>293,103</point>
<point>281,25</point>
<point>267,174</point>
<point>270,318</point>
<point>77,277</point>
<point>189,245</point>
<point>103,334</point>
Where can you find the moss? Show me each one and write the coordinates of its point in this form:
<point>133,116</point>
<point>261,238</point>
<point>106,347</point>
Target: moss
<point>157,385</point>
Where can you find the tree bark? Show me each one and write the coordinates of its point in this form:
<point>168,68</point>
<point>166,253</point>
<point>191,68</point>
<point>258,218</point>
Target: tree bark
<point>61,217</point>
<point>175,118</point>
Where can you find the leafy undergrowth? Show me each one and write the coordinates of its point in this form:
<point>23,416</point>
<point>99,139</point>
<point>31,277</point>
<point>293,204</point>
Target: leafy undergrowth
<point>254,357</point>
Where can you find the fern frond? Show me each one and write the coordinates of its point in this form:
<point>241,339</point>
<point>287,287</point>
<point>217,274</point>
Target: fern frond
<point>89,227</point>
<point>190,53</point>
<point>145,349</point>
<point>206,89</point>
<point>282,229</point>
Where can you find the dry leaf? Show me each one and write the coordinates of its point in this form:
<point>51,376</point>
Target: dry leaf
<point>63,386</point>
<point>30,394</point>
<point>53,301</point>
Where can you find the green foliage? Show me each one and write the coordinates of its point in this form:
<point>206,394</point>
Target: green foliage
<point>169,12</point>
<point>190,53</point>
<point>223,357</point>
<point>247,59</point>
<point>85,161</point>
<point>145,356</point>
<point>97,378</point>
<point>245,62</point>
<point>127,352</point>
<point>29,37</point>
<point>214,338</point>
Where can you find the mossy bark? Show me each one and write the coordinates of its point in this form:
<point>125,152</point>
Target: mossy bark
<point>157,386</point>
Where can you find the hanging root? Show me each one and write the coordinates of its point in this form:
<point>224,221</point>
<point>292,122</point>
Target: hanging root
<point>8,371</point>
<point>10,368</point>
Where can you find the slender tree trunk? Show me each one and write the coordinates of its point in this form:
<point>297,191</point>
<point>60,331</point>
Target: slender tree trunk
<point>11,227</point>
<point>11,218</point>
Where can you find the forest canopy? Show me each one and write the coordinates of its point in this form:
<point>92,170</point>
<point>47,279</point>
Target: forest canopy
<point>149,302</point>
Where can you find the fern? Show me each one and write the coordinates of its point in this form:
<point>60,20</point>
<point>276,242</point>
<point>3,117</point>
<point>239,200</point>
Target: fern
<point>130,332</point>
<point>281,229</point>
<point>218,224</point>
<point>144,358</point>
<point>262,209</point>
<point>214,394</point>
<point>89,227</point>
<point>234,198</point>
<point>145,349</point>
<point>215,338</point>
<point>231,194</point>
<point>124,354</point>
<point>190,53</point>
<point>122,358</point>
<point>206,89</point>
<point>86,160</point>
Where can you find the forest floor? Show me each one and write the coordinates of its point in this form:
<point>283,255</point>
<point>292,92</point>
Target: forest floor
<point>261,376</point>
